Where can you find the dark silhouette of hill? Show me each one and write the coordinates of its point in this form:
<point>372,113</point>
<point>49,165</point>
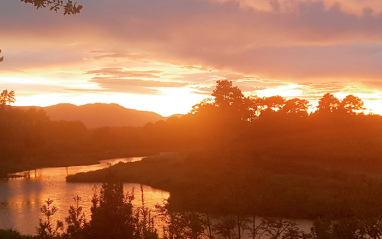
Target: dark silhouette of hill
<point>101,115</point>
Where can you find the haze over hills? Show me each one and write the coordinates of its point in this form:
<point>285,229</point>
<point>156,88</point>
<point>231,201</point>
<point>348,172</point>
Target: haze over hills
<point>101,115</point>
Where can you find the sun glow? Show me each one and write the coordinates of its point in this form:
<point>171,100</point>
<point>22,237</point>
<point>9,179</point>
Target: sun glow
<point>22,80</point>
<point>52,99</point>
<point>372,101</point>
<point>373,106</point>
<point>171,101</point>
<point>292,90</point>
<point>177,100</point>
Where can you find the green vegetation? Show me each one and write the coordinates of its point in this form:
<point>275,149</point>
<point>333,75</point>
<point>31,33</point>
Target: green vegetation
<point>265,157</point>
<point>262,188</point>
<point>29,140</point>
<point>271,127</point>
<point>237,158</point>
<point>113,216</point>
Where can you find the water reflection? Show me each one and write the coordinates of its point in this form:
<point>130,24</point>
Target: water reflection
<point>22,198</point>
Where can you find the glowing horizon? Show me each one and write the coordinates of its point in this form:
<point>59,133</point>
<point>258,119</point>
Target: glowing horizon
<point>183,107</point>
<point>166,57</point>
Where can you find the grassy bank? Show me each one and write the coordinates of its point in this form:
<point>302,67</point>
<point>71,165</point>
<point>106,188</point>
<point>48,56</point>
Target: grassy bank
<point>257,187</point>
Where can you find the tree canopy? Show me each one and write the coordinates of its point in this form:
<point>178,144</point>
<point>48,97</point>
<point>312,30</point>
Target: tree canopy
<point>328,104</point>
<point>230,101</point>
<point>295,108</point>
<point>227,95</point>
<point>112,209</point>
<point>7,97</point>
<point>352,104</point>
<point>69,7</point>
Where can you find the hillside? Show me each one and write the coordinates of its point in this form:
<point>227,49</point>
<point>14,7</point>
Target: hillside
<point>100,115</point>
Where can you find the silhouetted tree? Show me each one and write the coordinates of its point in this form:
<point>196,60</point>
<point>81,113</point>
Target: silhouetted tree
<point>69,7</point>
<point>351,104</point>
<point>231,102</point>
<point>344,228</point>
<point>46,228</point>
<point>181,225</point>
<point>255,107</point>
<point>270,107</point>
<point>225,226</point>
<point>295,108</point>
<point>205,105</point>
<point>76,220</point>
<point>254,230</point>
<point>274,103</point>
<point>280,228</point>
<point>112,213</point>
<point>328,104</point>
<point>227,95</point>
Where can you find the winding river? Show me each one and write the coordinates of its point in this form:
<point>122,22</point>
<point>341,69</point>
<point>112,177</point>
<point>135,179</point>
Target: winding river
<point>22,198</point>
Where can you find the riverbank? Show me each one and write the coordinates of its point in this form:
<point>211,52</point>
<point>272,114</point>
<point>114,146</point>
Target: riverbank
<point>9,169</point>
<point>198,182</point>
<point>22,199</point>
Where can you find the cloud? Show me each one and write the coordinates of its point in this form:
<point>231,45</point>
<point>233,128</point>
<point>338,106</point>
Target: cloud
<point>376,84</point>
<point>297,41</point>
<point>21,59</point>
<point>315,90</point>
<point>30,89</point>
<point>113,54</point>
<point>84,90</point>
<point>317,42</point>
<point>193,32</point>
<point>121,80</point>
<point>135,82</point>
<point>134,86</point>
<point>121,73</point>
<point>304,62</point>
<point>291,6</point>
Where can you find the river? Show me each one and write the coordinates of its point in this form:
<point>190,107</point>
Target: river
<point>22,198</point>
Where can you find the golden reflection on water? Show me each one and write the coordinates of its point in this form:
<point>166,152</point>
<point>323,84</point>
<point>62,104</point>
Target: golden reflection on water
<point>22,198</point>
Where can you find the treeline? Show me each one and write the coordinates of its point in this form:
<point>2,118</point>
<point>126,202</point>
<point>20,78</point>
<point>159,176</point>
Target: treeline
<point>230,115</point>
<point>271,126</point>
<point>338,134</point>
<point>277,162</point>
<point>29,139</point>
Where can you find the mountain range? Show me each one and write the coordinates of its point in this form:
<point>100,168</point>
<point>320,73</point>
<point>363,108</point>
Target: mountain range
<point>100,115</point>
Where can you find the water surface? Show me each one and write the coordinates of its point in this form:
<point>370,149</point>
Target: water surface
<point>22,198</point>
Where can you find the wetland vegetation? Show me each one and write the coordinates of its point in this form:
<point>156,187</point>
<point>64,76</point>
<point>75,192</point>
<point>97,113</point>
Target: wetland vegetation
<point>233,155</point>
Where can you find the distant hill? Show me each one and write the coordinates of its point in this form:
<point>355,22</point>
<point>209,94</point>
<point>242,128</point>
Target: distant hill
<point>100,115</point>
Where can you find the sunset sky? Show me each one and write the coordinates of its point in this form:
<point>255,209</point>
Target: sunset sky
<point>166,55</point>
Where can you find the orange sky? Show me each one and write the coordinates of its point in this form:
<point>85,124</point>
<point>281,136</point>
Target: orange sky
<point>165,56</point>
